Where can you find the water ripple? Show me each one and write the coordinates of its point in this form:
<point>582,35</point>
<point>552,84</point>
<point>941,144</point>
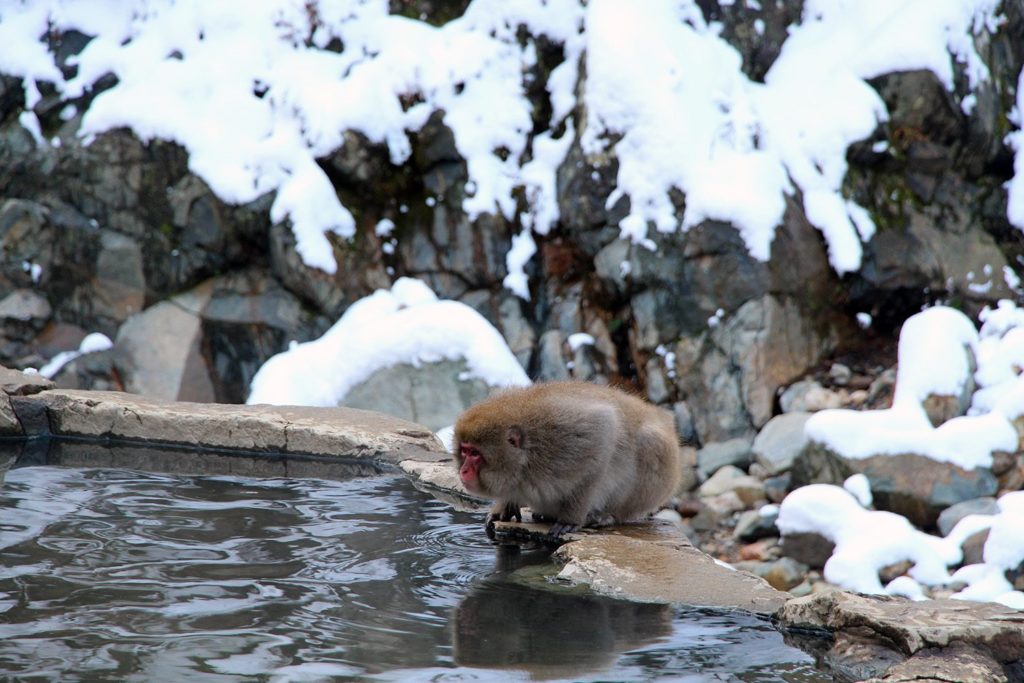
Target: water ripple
<point>121,575</point>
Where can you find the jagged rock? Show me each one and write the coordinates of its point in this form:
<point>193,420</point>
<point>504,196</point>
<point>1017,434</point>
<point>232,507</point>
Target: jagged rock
<point>974,548</point>
<point>136,190</point>
<point>733,479</point>
<point>808,396</point>
<point>586,181</point>
<point>9,423</point>
<point>777,446</point>
<point>910,627</point>
<point>714,456</point>
<point>206,344</point>
<point>23,313</point>
<point>714,394</point>
<point>958,662</point>
<point>954,513</point>
<point>432,394</point>
<point>684,422</point>
<point>161,350</point>
<point>808,548</point>
<point>551,357</point>
<point>360,271</point>
<point>612,267</point>
<point>248,318</point>
<point>731,374</point>
<point>776,488</point>
<point>896,481</point>
<point>753,525</point>
<point>515,329</point>
<point>17,383</point>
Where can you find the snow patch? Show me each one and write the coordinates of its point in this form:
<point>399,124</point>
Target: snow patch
<point>406,324</point>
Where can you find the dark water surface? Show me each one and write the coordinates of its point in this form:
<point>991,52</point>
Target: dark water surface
<point>122,575</point>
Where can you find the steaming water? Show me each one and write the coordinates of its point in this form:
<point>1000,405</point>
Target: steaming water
<point>115,574</point>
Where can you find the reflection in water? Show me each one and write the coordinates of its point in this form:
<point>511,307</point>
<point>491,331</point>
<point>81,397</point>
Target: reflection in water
<point>112,574</point>
<point>496,628</point>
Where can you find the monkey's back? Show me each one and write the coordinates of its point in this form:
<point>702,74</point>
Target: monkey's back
<point>631,445</point>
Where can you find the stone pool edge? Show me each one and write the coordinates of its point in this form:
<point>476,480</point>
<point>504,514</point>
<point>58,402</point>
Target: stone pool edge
<point>651,562</point>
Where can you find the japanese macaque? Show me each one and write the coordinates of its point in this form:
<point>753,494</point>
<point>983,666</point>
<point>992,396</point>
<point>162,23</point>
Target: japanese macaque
<point>577,454</point>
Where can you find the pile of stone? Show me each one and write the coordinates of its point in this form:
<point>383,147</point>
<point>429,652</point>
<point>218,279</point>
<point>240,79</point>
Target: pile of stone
<point>729,503</point>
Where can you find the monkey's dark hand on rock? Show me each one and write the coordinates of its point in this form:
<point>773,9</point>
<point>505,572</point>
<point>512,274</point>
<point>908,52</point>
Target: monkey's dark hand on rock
<point>504,512</point>
<point>559,528</point>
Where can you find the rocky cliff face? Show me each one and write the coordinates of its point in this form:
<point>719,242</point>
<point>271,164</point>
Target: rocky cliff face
<point>120,237</point>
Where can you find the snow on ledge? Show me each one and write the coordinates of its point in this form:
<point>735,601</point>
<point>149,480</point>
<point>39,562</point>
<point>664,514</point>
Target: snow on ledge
<point>935,348</point>
<point>406,324</point>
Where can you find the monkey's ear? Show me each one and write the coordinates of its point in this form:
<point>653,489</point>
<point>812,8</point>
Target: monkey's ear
<point>516,436</point>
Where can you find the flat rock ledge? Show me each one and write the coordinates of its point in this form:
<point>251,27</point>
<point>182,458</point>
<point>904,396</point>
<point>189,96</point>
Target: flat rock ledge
<point>651,562</point>
<point>280,430</point>
<point>857,637</point>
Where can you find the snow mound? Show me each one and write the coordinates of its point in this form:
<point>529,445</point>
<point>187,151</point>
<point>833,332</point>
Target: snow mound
<point>868,540</point>
<point>406,324</point>
<point>935,348</point>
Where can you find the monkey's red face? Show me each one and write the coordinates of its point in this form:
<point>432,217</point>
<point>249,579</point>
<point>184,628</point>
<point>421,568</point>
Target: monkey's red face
<point>469,472</point>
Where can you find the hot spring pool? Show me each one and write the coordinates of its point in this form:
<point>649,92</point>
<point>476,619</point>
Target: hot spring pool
<point>124,575</point>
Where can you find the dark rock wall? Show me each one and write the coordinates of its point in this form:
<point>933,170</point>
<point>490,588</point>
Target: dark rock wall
<point>121,226</point>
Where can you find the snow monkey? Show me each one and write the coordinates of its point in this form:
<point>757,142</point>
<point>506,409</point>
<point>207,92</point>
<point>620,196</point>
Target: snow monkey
<point>575,453</point>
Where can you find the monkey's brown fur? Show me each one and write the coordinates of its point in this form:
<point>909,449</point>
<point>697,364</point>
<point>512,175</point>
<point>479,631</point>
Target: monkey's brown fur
<point>575,453</point>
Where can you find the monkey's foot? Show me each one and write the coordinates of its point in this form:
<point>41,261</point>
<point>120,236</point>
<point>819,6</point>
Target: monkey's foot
<point>559,528</point>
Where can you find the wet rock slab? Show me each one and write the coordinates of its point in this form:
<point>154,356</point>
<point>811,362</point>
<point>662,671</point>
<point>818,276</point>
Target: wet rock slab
<point>651,562</point>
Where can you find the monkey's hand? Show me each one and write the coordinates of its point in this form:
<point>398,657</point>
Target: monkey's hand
<point>504,512</point>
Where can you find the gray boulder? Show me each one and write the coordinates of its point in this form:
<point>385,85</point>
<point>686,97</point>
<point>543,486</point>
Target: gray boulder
<point>779,443</point>
<point>896,481</point>
<point>954,513</point>
<point>432,394</point>
<point>714,456</point>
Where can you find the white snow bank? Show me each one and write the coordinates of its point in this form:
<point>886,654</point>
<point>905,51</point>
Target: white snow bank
<point>1015,188</point>
<point>865,540</point>
<point>935,351</point>
<point>868,540</point>
<point>406,324</point>
<point>934,358</point>
<point>741,144</point>
<point>257,93</point>
<point>1000,361</point>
